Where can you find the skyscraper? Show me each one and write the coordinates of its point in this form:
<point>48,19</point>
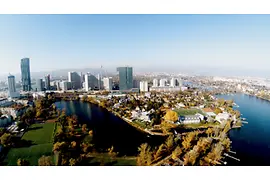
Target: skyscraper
<point>75,80</point>
<point>125,78</point>
<point>144,86</point>
<point>173,82</point>
<point>11,86</point>
<point>91,82</point>
<point>155,83</point>
<point>162,82</point>
<point>40,85</point>
<point>48,82</point>
<point>25,73</point>
<point>107,82</point>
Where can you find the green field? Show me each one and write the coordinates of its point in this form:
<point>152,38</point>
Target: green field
<point>184,112</point>
<point>41,136</point>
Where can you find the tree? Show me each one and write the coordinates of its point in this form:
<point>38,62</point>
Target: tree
<point>72,162</point>
<point>84,128</point>
<point>91,132</point>
<point>162,149</point>
<point>169,143</point>
<point>145,155</point>
<point>191,157</point>
<point>22,162</point>
<point>217,111</point>
<point>176,153</point>
<point>209,132</point>
<point>5,139</point>
<point>171,116</point>
<point>45,161</point>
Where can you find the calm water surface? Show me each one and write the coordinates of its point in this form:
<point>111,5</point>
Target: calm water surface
<point>252,141</point>
<point>108,129</point>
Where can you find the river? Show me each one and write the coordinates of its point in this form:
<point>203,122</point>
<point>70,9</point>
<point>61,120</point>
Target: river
<point>252,141</point>
<point>108,129</point>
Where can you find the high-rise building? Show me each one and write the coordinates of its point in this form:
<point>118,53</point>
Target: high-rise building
<point>12,87</point>
<point>48,82</point>
<point>65,85</point>
<point>136,83</point>
<point>162,82</point>
<point>75,80</point>
<point>40,85</point>
<point>155,83</point>
<point>173,82</point>
<point>91,82</point>
<point>25,73</point>
<point>107,82</point>
<point>144,86</point>
<point>125,78</point>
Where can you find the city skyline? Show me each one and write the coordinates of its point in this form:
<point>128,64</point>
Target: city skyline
<point>198,43</point>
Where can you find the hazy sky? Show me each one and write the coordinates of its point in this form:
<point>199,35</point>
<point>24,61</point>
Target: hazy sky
<point>142,41</point>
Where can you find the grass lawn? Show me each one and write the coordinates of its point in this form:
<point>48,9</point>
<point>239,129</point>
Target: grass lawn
<point>184,112</point>
<point>41,136</point>
<point>200,125</point>
<point>40,133</point>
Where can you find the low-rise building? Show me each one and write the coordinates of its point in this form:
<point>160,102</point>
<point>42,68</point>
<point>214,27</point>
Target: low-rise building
<point>221,117</point>
<point>189,119</point>
<point>209,112</point>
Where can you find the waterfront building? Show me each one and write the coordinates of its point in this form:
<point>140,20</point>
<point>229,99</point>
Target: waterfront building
<point>91,82</point>
<point>40,85</point>
<point>65,85</point>
<point>173,82</point>
<point>162,82</point>
<point>25,73</point>
<point>221,117</point>
<point>12,87</point>
<point>190,119</point>
<point>75,80</point>
<point>155,83</point>
<point>48,82</point>
<point>125,78</point>
<point>144,86</point>
<point>167,89</point>
<point>107,82</point>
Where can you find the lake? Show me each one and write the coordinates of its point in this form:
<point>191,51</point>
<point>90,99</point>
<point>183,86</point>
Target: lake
<point>252,141</point>
<point>107,128</point>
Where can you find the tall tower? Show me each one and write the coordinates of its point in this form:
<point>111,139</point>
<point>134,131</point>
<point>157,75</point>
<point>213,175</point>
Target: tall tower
<point>11,86</point>
<point>48,82</point>
<point>125,78</point>
<point>25,73</point>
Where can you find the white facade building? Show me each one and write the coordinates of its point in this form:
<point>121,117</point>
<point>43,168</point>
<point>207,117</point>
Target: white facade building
<point>222,117</point>
<point>144,86</point>
<point>91,82</point>
<point>173,82</point>
<point>107,82</point>
<point>65,85</point>
<point>162,82</point>
<point>155,83</point>
<point>12,87</point>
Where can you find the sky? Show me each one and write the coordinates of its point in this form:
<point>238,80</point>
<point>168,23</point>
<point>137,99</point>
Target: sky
<point>203,43</point>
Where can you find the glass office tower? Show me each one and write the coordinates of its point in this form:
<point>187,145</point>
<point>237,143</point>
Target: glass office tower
<point>125,78</point>
<point>25,73</point>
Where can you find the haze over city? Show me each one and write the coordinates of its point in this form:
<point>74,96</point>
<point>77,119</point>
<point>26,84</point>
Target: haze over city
<point>206,44</point>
